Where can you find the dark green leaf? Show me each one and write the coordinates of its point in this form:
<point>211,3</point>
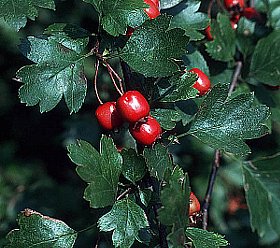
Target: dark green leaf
<point>125,219</point>
<point>158,161</point>
<point>191,21</point>
<point>224,123</point>
<point>196,60</point>
<point>38,231</point>
<point>58,71</point>
<point>204,239</point>
<point>96,4</point>
<point>262,187</point>
<point>222,48</point>
<point>145,196</point>
<point>265,61</point>
<point>152,48</point>
<point>100,170</point>
<point>181,88</point>
<point>166,4</point>
<point>117,15</point>
<point>134,166</point>
<point>16,12</point>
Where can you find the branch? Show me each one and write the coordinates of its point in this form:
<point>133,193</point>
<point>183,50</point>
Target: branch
<point>235,76</point>
<point>125,193</point>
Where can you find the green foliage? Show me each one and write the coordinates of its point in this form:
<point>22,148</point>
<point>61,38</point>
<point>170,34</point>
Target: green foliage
<point>264,66</point>
<point>223,122</point>
<point>222,48</point>
<point>262,187</point>
<point>204,239</point>
<point>100,170</point>
<point>37,230</point>
<point>146,51</point>
<point>15,12</point>
<point>125,219</point>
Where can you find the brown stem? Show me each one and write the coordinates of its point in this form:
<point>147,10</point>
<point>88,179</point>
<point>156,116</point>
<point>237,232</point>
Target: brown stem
<point>235,76</point>
<point>210,8</point>
<point>123,194</point>
<point>95,82</point>
<point>213,175</point>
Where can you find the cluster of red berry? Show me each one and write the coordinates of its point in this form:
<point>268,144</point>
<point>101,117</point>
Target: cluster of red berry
<point>133,108</point>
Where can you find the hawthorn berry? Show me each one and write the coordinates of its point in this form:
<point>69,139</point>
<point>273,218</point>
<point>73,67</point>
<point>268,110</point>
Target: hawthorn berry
<point>146,132</point>
<point>156,3</point>
<point>129,31</point>
<point>203,83</point>
<point>234,4</point>
<point>133,106</point>
<point>153,10</point>
<point>108,116</point>
<point>194,204</point>
<point>234,20</point>
<point>251,13</point>
<point>208,33</point>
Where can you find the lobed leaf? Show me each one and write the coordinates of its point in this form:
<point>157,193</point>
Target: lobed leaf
<point>100,170</point>
<point>224,123</point>
<point>125,219</point>
<point>38,231</point>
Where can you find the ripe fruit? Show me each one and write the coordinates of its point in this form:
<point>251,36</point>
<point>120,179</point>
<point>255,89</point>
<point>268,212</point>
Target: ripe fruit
<point>194,204</point>
<point>133,106</point>
<point>208,33</point>
<point>234,20</point>
<point>251,13</point>
<point>129,31</point>
<point>232,4</point>
<point>156,3</point>
<point>203,83</point>
<point>146,132</point>
<point>108,116</point>
<point>153,10</point>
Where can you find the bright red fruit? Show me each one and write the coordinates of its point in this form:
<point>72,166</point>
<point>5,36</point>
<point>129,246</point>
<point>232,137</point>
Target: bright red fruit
<point>156,3</point>
<point>146,132</point>
<point>133,106</point>
<point>194,204</point>
<point>203,83</point>
<point>234,20</point>
<point>153,10</point>
<point>230,4</point>
<point>208,33</point>
<point>108,116</point>
<point>251,13</point>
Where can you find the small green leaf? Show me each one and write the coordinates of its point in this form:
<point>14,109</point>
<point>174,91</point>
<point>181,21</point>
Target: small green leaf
<point>134,166</point>
<point>191,21</point>
<point>196,60</point>
<point>204,239</point>
<point>36,230</point>
<point>222,48</point>
<point>125,219</point>
<point>153,48</point>
<point>181,88</point>
<point>145,196</point>
<point>117,15</point>
<point>96,4</point>
<point>265,61</point>
<point>58,72</point>
<point>166,4</point>
<point>158,161</point>
<point>262,187</point>
<point>100,170</point>
<point>224,123</point>
<point>16,12</point>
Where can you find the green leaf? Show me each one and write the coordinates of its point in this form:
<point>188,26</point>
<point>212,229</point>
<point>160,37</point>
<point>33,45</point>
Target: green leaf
<point>222,48</point>
<point>153,48</point>
<point>265,61</point>
<point>117,15</point>
<point>16,12</point>
<point>96,4</point>
<point>58,72</point>
<point>181,88</point>
<point>175,201</point>
<point>158,161</point>
<point>100,170</point>
<point>38,231</point>
<point>204,239</point>
<point>191,21</point>
<point>196,60</point>
<point>224,123</point>
<point>166,4</point>
<point>125,219</point>
<point>134,166</point>
<point>262,187</point>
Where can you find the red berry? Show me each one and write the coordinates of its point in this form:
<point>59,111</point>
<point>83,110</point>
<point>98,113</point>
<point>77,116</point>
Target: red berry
<point>133,106</point>
<point>208,33</point>
<point>203,83</point>
<point>108,116</point>
<point>251,13</point>
<point>234,20</point>
<point>194,204</point>
<point>230,4</point>
<point>129,31</point>
<point>156,3</point>
<point>153,10</point>
<point>146,132</point>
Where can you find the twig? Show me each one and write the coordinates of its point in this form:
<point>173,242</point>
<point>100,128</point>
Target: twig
<point>210,5</point>
<point>210,187</point>
<point>252,3</point>
<point>95,82</point>
<point>123,194</point>
<point>235,76</point>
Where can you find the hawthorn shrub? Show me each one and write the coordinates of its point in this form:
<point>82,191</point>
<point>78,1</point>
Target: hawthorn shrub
<point>171,84</point>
